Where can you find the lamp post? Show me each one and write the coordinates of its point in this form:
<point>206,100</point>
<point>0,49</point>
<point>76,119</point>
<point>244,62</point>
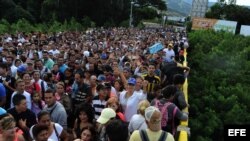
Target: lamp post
<point>165,16</point>
<point>131,14</point>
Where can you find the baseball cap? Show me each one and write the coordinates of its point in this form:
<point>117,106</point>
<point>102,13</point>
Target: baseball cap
<point>78,62</point>
<point>106,115</point>
<point>2,111</point>
<point>149,112</point>
<point>103,56</point>
<point>50,52</point>
<point>170,45</point>
<point>21,69</point>
<point>126,69</point>
<point>101,77</point>
<point>29,62</point>
<point>45,51</point>
<point>86,53</point>
<point>131,81</point>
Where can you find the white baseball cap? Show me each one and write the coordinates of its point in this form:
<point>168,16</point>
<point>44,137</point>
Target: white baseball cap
<point>150,111</point>
<point>106,115</point>
<point>86,53</point>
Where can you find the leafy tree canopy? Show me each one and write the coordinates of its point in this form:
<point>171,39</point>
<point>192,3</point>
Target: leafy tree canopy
<point>100,11</point>
<point>218,83</point>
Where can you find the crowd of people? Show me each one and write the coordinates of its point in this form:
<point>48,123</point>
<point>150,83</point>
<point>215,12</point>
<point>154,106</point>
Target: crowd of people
<point>96,85</point>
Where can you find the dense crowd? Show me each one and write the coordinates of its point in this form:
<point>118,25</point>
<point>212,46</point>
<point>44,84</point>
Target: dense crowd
<point>97,85</point>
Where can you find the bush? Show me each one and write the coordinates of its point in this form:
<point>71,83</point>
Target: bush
<point>25,26</point>
<point>4,26</point>
<point>124,23</point>
<point>22,25</point>
<point>87,22</point>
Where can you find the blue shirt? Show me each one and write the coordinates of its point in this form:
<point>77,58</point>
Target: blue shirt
<point>63,68</point>
<point>2,90</point>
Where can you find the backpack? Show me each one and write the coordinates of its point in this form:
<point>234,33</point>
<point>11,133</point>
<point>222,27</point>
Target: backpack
<point>42,88</point>
<point>144,135</point>
<point>164,110</point>
<point>164,119</point>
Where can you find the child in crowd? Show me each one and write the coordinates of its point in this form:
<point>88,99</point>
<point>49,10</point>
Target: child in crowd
<point>37,103</point>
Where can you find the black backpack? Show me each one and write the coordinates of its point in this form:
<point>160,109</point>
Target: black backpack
<point>144,135</point>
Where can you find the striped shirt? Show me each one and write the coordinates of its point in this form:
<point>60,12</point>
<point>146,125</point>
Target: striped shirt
<point>98,105</point>
<point>152,81</point>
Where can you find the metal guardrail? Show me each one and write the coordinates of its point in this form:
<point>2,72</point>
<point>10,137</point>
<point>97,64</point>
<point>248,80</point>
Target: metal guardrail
<point>183,129</point>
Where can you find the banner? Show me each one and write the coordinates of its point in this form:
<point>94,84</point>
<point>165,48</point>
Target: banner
<point>217,25</point>
<point>229,26</point>
<point>155,48</point>
<point>203,23</point>
<point>245,30</point>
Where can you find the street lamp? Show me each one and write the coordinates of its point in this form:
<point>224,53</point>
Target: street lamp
<point>131,13</point>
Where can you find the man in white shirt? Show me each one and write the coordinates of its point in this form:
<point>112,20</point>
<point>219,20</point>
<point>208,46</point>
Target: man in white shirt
<point>54,51</point>
<point>20,90</point>
<point>169,53</point>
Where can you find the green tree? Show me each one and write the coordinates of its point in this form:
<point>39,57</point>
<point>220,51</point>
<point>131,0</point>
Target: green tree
<point>230,12</point>
<point>5,26</point>
<point>218,83</point>
<point>12,12</point>
<point>101,12</point>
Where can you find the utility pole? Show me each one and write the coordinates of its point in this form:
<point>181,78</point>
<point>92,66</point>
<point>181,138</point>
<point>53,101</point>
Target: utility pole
<point>131,14</point>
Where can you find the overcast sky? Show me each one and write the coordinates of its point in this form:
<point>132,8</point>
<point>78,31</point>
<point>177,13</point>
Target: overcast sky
<point>239,2</point>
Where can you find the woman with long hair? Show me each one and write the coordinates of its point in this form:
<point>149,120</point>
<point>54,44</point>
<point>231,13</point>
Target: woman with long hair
<point>85,118</point>
<point>68,79</point>
<point>63,97</point>
<point>118,85</point>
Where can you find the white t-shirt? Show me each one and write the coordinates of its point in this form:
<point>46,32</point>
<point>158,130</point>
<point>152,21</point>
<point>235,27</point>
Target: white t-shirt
<point>27,96</point>
<point>169,54</point>
<point>129,105</point>
<point>13,70</point>
<point>53,136</point>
